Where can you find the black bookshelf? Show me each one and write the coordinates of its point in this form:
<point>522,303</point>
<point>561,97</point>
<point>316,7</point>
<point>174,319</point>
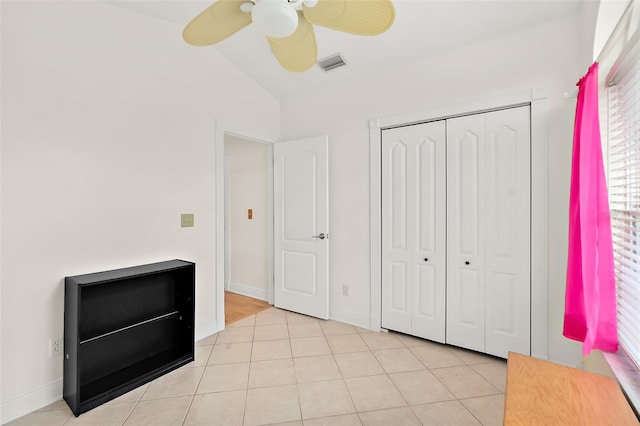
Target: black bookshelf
<point>124,328</point>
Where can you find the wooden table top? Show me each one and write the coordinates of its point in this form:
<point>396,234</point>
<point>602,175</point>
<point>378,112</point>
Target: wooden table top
<point>543,393</point>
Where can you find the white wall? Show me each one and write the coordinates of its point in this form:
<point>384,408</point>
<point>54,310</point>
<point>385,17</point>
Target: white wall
<point>248,237</point>
<point>108,125</point>
<point>551,56</point>
<point>608,15</point>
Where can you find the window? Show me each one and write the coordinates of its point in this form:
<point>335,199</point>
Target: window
<point>623,113</point>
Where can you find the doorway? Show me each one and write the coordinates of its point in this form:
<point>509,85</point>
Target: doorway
<point>307,279</point>
<point>248,218</point>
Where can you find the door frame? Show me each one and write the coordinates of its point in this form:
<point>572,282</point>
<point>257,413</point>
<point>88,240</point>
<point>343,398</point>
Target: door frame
<point>538,102</point>
<point>220,213</point>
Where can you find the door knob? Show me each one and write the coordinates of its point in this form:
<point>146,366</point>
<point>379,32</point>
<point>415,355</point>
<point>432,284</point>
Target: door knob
<point>467,263</point>
<point>322,236</point>
<point>426,259</point>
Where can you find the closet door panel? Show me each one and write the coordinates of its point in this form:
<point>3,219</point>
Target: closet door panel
<point>429,310</point>
<point>413,233</point>
<point>425,308</point>
<point>508,225</point>
<point>399,288</point>
<point>466,298</point>
<point>397,231</point>
<point>465,232</point>
<point>428,179</point>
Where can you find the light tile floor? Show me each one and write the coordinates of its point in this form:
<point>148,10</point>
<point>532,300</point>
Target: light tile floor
<point>278,367</point>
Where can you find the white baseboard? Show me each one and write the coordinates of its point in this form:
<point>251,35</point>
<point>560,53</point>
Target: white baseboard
<point>207,328</point>
<point>41,396</point>
<point>31,400</point>
<point>246,290</point>
<point>351,318</point>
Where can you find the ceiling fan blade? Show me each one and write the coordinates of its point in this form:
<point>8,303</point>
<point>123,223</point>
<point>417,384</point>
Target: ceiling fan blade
<point>297,52</point>
<point>217,22</point>
<point>369,17</point>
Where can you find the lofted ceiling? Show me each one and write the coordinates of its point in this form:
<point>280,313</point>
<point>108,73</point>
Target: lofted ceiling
<point>422,28</point>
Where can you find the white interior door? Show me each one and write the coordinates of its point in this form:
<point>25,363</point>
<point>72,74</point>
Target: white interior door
<point>301,226</point>
<point>413,231</point>
<point>488,232</point>
<point>508,253</point>
<point>466,232</point>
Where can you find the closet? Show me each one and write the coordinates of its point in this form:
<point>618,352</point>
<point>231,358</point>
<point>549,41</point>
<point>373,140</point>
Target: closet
<point>456,230</point>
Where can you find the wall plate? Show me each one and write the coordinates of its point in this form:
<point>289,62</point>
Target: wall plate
<point>186,220</point>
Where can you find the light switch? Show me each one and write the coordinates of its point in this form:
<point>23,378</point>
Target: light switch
<point>186,220</point>
<point>250,213</point>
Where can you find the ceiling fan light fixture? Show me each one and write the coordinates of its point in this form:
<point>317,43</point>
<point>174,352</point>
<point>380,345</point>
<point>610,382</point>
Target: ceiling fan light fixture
<point>275,18</point>
<point>246,7</point>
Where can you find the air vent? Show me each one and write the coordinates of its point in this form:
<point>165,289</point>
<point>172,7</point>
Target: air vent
<point>332,62</point>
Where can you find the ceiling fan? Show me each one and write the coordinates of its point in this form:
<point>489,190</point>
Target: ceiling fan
<point>288,24</point>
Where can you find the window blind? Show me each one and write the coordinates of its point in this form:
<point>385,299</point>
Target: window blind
<point>623,111</point>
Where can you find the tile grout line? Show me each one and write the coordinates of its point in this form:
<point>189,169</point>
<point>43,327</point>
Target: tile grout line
<point>137,401</point>
<point>469,411</point>
<point>388,378</point>
<point>295,376</point>
<point>343,379</point>
<point>186,414</point>
<point>246,390</point>
<point>195,392</point>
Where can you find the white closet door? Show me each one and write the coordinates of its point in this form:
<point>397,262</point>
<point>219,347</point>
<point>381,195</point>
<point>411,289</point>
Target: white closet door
<point>413,231</point>
<point>507,227</point>
<point>466,232</point>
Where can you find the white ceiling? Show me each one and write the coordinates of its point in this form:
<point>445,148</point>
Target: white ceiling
<point>422,28</point>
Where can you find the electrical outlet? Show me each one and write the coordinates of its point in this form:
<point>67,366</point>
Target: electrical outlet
<point>55,347</point>
<point>186,220</point>
<point>345,290</point>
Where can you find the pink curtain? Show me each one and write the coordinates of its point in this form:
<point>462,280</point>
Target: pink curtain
<point>590,302</point>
